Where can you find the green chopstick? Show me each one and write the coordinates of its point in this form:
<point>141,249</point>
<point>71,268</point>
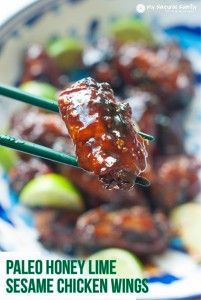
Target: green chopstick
<point>48,153</point>
<point>44,103</point>
<point>37,150</point>
<point>146,136</point>
<point>21,96</point>
<point>142,181</point>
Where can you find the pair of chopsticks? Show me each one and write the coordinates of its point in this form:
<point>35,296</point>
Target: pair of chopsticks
<point>39,150</point>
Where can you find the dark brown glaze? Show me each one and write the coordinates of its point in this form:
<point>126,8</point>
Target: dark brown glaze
<point>134,229</point>
<point>39,127</point>
<point>39,66</point>
<point>94,191</point>
<point>163,71</point>
<point>25,170</point>
<point>56,228</point>
<point>103,132</point>
<point>176,181</point>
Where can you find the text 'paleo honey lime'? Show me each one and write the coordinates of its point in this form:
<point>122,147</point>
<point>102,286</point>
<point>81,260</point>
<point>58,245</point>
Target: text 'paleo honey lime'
<point>70,276</point>
<point>60,267</point>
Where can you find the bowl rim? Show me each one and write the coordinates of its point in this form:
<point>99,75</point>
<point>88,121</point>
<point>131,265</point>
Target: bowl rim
<point>6,28</point>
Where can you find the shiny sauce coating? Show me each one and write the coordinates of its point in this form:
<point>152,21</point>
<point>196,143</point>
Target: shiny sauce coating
<point>104,133</point>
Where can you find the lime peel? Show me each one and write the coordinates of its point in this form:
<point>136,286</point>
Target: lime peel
<point>51,190</point>
<point>132,29</point>
<point>128,265</point>
<point>40,89</point>
<point>8,158</point>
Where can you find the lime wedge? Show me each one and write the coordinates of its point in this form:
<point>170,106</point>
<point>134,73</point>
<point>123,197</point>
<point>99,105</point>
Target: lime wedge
<point>67,52</point>
<point>8,158</point>
<point>131,30</point>
<point>40,89</point>
<point>186,221</point>
<point>51,190</point>
<point>127,264</point>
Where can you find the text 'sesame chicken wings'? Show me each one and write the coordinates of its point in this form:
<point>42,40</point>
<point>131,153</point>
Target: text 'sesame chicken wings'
<point>106,140</point>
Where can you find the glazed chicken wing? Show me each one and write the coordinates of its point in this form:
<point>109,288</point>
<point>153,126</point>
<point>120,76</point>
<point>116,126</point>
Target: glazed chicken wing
<point>134,228</point>
<point>36,126</point>
<point>38,65</point>
<point>56,228</point>
<point>107,143</point>
<point>163,71</point>
<point>176,181</point>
